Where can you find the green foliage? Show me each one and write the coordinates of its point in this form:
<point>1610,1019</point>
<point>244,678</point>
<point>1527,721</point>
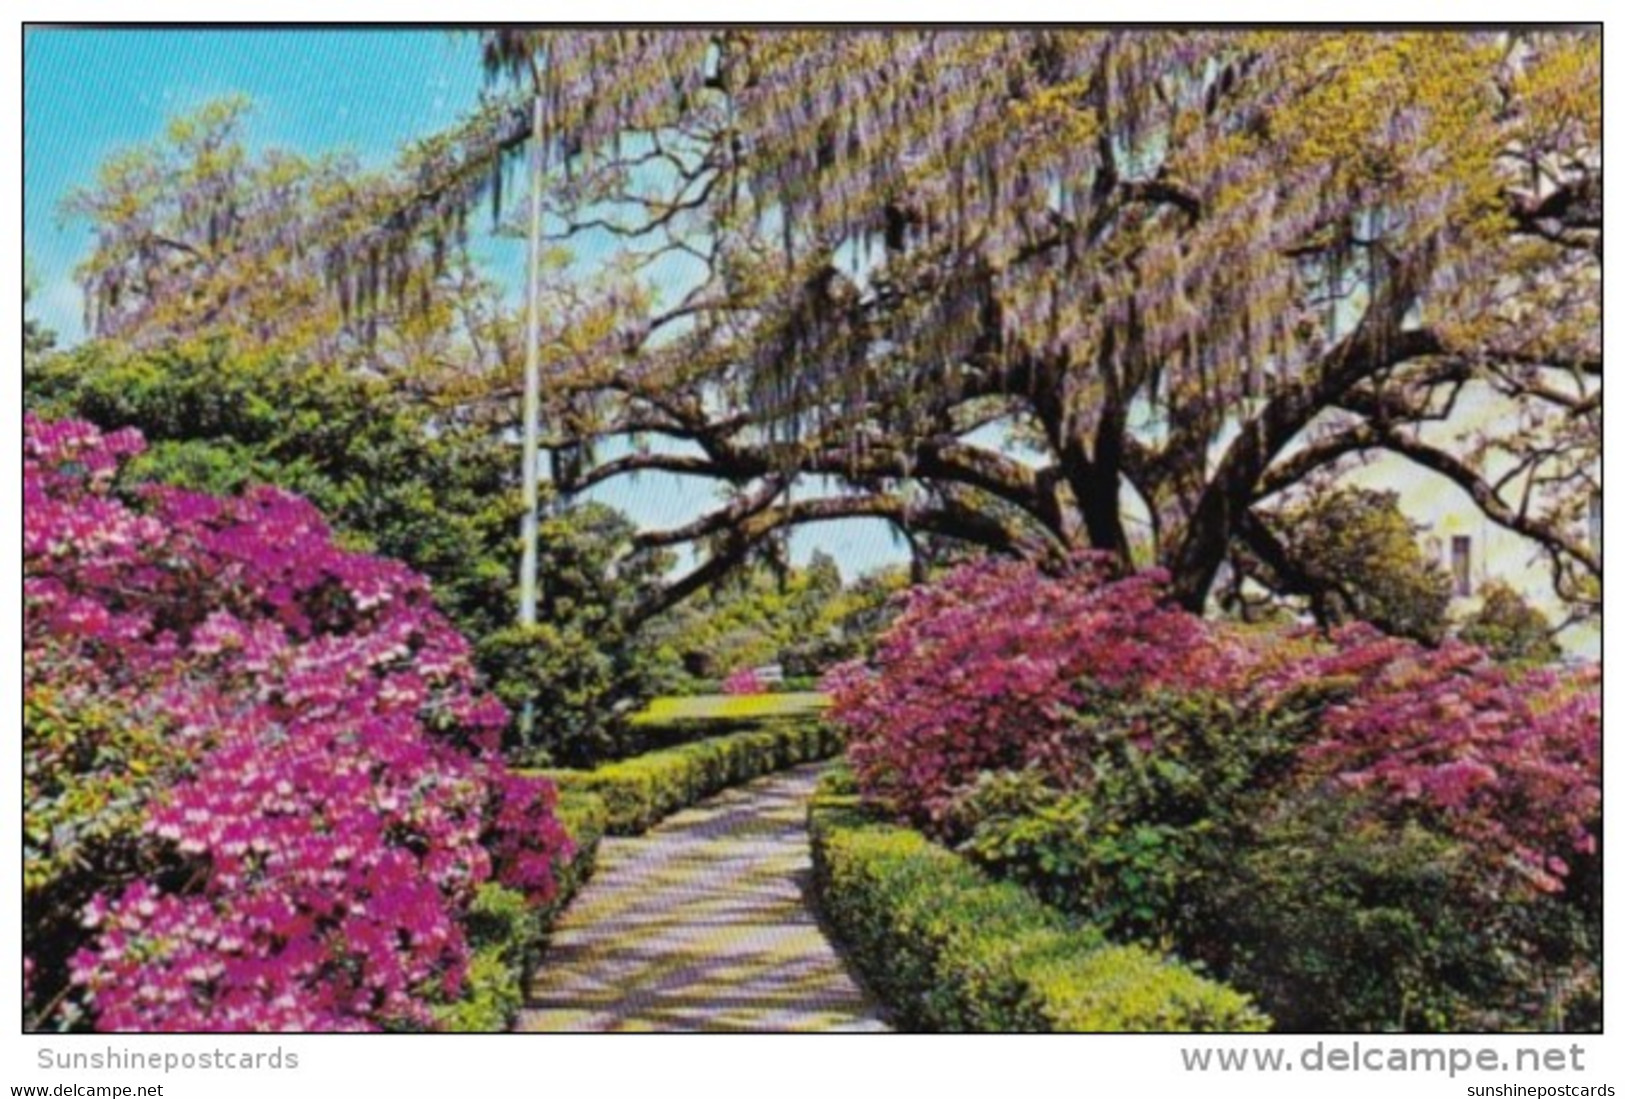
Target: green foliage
<point>1169,779</point>
<point>397,480</point>
<point>1341,922</point>
<point>1194,832</point>
<point>837,781</point>
<point>508,935</point>
<point>494,997</point>
<point>747,620</point>
<point>573,684</point>
<point>504,933</point>
<point>90,767</point>
<point>1509,628</point>
<point>801,618</point>
<point>1363,560</point>
<point>442,500</point>
<point>1051,848</point>
<point>586,819</point>
<point>501,917</point>
<point>38,340</point>
<point>641,791</point>
<point>947,948</point>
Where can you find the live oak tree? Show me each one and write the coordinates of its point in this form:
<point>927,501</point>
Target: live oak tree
<point>1042,290</point>
<point>1027,289</point>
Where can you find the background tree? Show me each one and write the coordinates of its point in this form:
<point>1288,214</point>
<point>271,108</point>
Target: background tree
<point>1509,627</point>
<point>196,236</point>
<point>759,615</point>
<point>38,340</point>
<point>1354,555</point>
<point>1181,270</point>
<point>1026,290</point>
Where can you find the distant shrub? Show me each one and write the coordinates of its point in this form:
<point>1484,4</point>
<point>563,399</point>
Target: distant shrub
<point>1509,628</point>
<point>1365,562</point>
<point>744,681</point>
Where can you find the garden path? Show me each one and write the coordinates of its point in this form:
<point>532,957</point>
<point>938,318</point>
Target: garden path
<point>703,923</point>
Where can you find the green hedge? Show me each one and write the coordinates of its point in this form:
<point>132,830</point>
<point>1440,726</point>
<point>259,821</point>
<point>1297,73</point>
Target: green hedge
<point>639,792</point>
<point>507,935</point>
<point>503,934</point>
<point>714,686</point>
<point>586,818</point>
<point>949,949</point>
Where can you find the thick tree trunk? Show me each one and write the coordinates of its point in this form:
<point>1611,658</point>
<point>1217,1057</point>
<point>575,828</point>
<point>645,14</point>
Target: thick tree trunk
<point>1233,487</point>
<point>1100,499</point>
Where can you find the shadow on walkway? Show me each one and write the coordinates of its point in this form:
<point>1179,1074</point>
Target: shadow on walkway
<point>702,923</point>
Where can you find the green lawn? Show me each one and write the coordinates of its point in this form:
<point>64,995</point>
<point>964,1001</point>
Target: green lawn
<point>788,704</point>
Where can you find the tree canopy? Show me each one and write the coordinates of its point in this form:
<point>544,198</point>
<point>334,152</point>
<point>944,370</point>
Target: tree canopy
<point>1028,290</point>
<point>1180,271</point>
<point>199,237</point>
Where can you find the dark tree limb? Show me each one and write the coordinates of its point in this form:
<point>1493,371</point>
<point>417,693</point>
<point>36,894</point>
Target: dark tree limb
<point>1377,344</point>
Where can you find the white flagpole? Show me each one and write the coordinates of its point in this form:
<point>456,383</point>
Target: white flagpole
<point>532,405</point>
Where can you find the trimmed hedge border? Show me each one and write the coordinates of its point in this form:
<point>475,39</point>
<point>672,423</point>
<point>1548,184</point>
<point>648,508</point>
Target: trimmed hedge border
<point>508,936</point>
<point>673,721</point>
<point>712,686</point>
<point>585,817</point>
<point>947,948</point>
<point>641,791</point>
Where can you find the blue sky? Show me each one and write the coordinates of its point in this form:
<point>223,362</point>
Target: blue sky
<point>89,93</point>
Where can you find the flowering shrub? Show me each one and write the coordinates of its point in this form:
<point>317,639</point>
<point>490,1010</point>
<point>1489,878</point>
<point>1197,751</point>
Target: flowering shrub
<point>1366,832</point>
<point>744,681</point>
<point>1506,761</point>
<point>261,786</point>
<point>1001,667</point>
<point>1127,849</point>
<point>989,668</point>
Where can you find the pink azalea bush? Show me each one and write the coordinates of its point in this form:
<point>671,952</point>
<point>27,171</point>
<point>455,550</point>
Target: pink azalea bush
<point>988,668</point>
<point>994,667</point>
<point>743,681</point>
<point>271,751</point>
<point>1506,761</point>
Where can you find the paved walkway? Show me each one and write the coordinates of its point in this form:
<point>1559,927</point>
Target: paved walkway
<point>703,923</point>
